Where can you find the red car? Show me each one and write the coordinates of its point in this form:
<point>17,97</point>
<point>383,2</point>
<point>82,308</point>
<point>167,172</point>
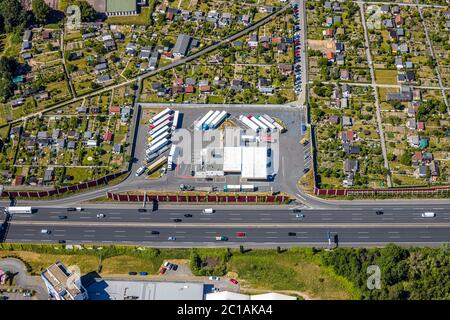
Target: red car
<point>240,234</point>
<point>234,281</point>
<point>162,270</point>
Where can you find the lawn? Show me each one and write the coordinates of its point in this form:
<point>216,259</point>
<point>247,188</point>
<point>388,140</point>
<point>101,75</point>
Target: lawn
<point>142,19</point>
<point>386,76</point>
<point>295,269</point>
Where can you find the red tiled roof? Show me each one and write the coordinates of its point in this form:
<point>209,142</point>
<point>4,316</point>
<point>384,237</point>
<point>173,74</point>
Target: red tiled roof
<point>107,136</point>
<point>114,109</point>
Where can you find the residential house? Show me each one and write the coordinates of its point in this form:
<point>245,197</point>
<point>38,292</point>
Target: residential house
<point>182,45</point>
<point>253,41</point>
<point>350,166</point>
<point>347,121</point>
<point>413,141</point>
<point>48,175</point>
<point>117,148</point>
<point>411,124</point>
<point>125,114</point>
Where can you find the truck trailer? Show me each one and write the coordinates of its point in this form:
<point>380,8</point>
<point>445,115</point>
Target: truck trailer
<point>12,210</point>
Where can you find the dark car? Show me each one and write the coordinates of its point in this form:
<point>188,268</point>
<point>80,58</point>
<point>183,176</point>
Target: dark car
<point>62,217</point>
<point>174,267</point>
<point>71,209</point>
<point>142,210</point>
<point>132,273</point>
<point>61,241</point>
<point>143,273</point>
<point>292,234</point>
<point>379,212</point>
<point>296,210</point>
<point>177,220</point>
<point>155,232</point>
<point>188,215</point>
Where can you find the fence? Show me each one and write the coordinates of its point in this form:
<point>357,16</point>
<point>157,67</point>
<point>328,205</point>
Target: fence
<point>383,192</point>
<point>183,198</point>
<point>62,190</point>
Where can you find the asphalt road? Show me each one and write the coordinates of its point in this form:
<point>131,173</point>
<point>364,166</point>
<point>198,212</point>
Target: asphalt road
<point>254,237</point>
<point>263,228</point>
<point>240,216</point>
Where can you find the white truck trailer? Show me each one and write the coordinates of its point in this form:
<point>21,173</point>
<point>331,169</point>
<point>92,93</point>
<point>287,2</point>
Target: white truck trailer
<point>12,210</point>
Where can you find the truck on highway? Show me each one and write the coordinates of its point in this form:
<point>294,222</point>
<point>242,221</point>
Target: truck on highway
<point>248,187</point>
<point>12,210</point>
<point>208,210</point>
<point>428,215</point>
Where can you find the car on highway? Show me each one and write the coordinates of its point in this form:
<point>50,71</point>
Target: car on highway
<point>132,273</point>
<point>26,294</point>
<point>234,281</point>
<point>188,215</point>
<point>300,216</point>
<point>221,238</point>
<point>45,231</point>
<point>214,278</point>
<point>101,215</point>
<point>177,220</point>
<point>62,217</point>
<point>240,234</point>
<point>61,241</point>
<point>142,210</point>
<point>292,234</point>
<point>379,212</point>
<point>71,209</point>
<point>154,232</point>
<point>171,238</point>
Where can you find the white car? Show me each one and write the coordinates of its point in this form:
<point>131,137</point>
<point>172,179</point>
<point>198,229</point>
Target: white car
<point>214,278</point>
<point>100,215</point>
<point>140,171</point>
<point>300,215</point>
<point>171,239</point>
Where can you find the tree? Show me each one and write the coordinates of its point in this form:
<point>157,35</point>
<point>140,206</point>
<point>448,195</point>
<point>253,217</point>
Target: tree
<point>88,13</point>
<point>41,11</point>
<point>13,15</point>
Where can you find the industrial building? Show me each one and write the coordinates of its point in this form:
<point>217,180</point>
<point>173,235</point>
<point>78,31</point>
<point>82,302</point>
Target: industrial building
<point>250,162</point>
<point>105,289</point>
<point>116,7</point>
<point>61,284</point>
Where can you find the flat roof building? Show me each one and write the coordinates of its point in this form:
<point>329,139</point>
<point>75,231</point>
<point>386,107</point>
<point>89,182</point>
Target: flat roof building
<point>251,162</point>
<point>61,285</point>
<point>121,7</point>
<point>104,289</point>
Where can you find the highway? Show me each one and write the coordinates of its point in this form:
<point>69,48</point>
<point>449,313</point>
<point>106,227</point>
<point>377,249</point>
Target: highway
<point>205,236</point>
<point>263,228</point>
<point>391,215</point>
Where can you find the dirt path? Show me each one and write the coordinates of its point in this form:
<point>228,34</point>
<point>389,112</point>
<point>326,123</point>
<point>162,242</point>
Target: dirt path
<point>288,292</point>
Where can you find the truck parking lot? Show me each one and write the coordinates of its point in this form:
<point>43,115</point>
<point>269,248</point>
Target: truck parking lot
<point>290,154</point>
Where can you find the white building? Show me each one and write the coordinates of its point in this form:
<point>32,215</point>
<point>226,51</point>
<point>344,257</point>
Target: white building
<point>251,162</point>
<point>61,284</point>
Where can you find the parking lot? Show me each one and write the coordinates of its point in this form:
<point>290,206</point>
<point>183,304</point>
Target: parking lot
<point>290,155</point>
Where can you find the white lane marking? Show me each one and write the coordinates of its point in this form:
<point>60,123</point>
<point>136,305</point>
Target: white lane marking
<point>119,231</point>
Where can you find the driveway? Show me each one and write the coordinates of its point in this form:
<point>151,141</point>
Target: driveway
<point>22,279</point>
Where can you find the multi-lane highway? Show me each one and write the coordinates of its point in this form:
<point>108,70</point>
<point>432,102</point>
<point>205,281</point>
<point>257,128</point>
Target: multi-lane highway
<point>262,228</point>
